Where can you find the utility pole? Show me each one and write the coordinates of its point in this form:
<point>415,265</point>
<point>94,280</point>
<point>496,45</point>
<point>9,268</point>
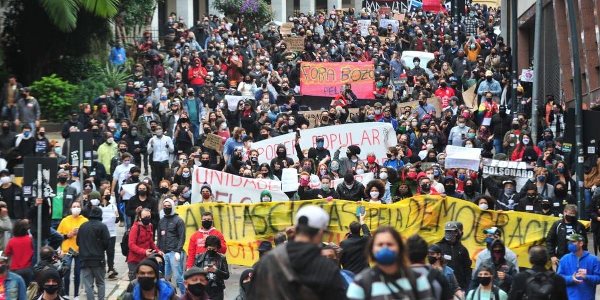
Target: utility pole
<point>578,103</point>
<point>514,51</point>
<point>537,71</point>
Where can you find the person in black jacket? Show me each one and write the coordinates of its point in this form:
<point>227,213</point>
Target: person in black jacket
<point>93,238</point>
<point>538,256</point>
<point>353,256</point>
<point>319,191</point>
<point>12,195</point>
<point>215,264</point>
<point>170,241</point>
<point>350,189</point>
<point>458,256</point>
<point>142,199</point>
<point>500,125</point>
<point>556,240</point>
<point>417,253</point>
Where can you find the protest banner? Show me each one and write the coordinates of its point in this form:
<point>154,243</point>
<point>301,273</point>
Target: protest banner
<point>49,174</point>
<point>399,17</point>
<point>435,101</point>
<point>294,44</point>
<point>267,149</point>
<point>362,178</point>
<point>526,75</point>
<point>383,23</point>
<point>86,141</point>
<point>384,10</point>
<point>313,115</point>
<point>507,168</point>
<point>363,27</point>
<point>373,137</point>
<point>231,188</point>
<point>214,142</point>
<point>244,225</point>
<point>462,158</point>
<point>326,79</point>
<point>232,101</point>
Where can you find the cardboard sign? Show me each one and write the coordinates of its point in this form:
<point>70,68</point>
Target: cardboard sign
<point>383,23</point>
<point>214,142</point>
<point>470,98</point>
<point>294,44</point>
<point>399,17</point>
<point>526,75</point>
<point>384,10</point>
<point>326,79</point>
<point>462,158</point>
<point>313,115</point>
<point>286,29</point>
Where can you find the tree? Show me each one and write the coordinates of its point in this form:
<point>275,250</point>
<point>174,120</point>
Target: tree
<point>254,13</point>
<point>134,17</point>
<point>64,13</point>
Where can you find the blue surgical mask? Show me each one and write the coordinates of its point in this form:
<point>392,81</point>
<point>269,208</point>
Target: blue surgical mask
<point>489,240</point>
<point>541,178</point>
<point>320,144</point>
<point>26,133</point>
<point>385,256</point>
<point>572,248</point>
<point>462,177</point>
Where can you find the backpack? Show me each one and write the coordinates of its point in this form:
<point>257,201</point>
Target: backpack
<point>539,285</point>
<point>283,262</point>
<point>125,241</point>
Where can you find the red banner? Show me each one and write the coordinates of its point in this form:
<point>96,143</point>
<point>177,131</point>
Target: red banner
<point>327,78</point>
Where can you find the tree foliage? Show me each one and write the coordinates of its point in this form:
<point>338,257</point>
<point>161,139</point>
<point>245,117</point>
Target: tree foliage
<point>64,13</point>
<point>134,16</point>
<point>55,96</point>
<point>255,12</point>
<point>33,46</point>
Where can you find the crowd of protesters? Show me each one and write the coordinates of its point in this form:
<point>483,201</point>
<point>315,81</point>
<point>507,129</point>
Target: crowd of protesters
<point>151,133</point>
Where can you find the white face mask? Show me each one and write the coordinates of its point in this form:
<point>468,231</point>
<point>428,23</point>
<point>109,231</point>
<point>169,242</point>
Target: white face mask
<point>383,175</point>
<point>483,206</point>
<point>430,176</point>
<point>374,195</point>
<point>360,171</point>
<point>110,140</point>
<point>160,84</point>
<point>75,211</point>
<point>95,202</point>
<point>266,199</point>
<point>469,146</point>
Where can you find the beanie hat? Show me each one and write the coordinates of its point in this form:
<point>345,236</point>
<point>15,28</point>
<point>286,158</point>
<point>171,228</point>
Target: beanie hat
<point>94,195</point>
<point>354,149</point>
<point>150,263</point>
<point>266,193</point>
<point>47,274</point>
<point>206,186</point>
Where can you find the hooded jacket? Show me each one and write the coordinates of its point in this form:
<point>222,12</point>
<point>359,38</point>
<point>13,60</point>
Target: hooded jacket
<point>93,239</point>
<point>501,265</point>
<point>355,193</point>
<point>284,161</point>
<point>265,193</point>
<point>556,240</point>
<point>570,264</point>
<point>171,233</point>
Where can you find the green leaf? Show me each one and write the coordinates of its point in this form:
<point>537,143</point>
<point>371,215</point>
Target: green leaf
<point>62,13</point>
<point>101,8</point>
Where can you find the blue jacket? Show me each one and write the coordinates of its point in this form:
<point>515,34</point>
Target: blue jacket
<point>15,287</point>
<point>569,264</point>
<point>391,120</point>
<point>165,291</point>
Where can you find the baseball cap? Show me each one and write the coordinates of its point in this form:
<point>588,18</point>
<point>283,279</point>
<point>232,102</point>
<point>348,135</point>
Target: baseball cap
<point>312,216</point>
<point>451,226</point>
<point>492,230</point>
<point>489,73</point>
<point>575,237</point>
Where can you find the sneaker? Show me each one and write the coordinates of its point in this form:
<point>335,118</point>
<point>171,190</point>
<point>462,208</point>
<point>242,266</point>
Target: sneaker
<point>76,298</point>
<point>146,173</point>
<point>112,274</point>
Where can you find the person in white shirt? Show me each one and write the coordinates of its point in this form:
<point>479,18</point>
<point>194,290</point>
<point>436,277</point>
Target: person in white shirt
<point>121,172</point>
<point>110,213</point>
<point>160,147</point>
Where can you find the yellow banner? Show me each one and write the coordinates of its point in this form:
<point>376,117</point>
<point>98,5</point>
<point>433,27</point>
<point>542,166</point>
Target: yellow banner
<point>245,225</point>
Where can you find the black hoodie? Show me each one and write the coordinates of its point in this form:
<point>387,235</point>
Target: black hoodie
<point>93,238</point>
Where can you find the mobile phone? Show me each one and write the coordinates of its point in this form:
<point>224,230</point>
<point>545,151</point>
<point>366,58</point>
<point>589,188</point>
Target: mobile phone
<point>360,211</point>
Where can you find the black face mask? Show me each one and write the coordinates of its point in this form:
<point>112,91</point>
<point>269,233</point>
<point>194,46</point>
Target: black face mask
<point>168,210</point>
<point>432,259</point>
<point>196,289</point>
<point>204,162</point>
<point>560,192</point>
<point>546,206</point>
<point>5,129</point>
<point>51,289</point>
<point>570,219</point>
<point>141,193</point>
<point>62,180</point>
<point>425,187</point>
<point>164,190</point>
<point>450,189</point>
<point>145,221</point>
<point>280,154</point>
<point>484,280</point>
<point>146,283</point>
<point>207,224</point>
<point>469,189</point>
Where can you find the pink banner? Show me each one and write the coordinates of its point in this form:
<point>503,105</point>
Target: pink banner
<point>327,78</point>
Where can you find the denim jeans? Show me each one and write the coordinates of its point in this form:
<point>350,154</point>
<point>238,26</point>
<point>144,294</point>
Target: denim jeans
<point>174,268</point>
<point>498,146</point>
<point>77,274</point>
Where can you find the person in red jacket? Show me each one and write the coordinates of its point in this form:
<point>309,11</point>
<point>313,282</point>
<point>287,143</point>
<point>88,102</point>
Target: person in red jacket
<point>526,150</point>
<point>20,251</point>
<point>196,245</point>
<point>141,241</point>
<point>196,74</point>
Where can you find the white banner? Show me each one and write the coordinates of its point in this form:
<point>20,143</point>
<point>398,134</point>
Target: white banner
<point>232,101</point>
<point>267,149</point>
<point>383,23</point>
<point>362,178</point>
<point>373,137</point>
<point>363,27</point>
<point>462,158</point>
<point>231,188</point>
